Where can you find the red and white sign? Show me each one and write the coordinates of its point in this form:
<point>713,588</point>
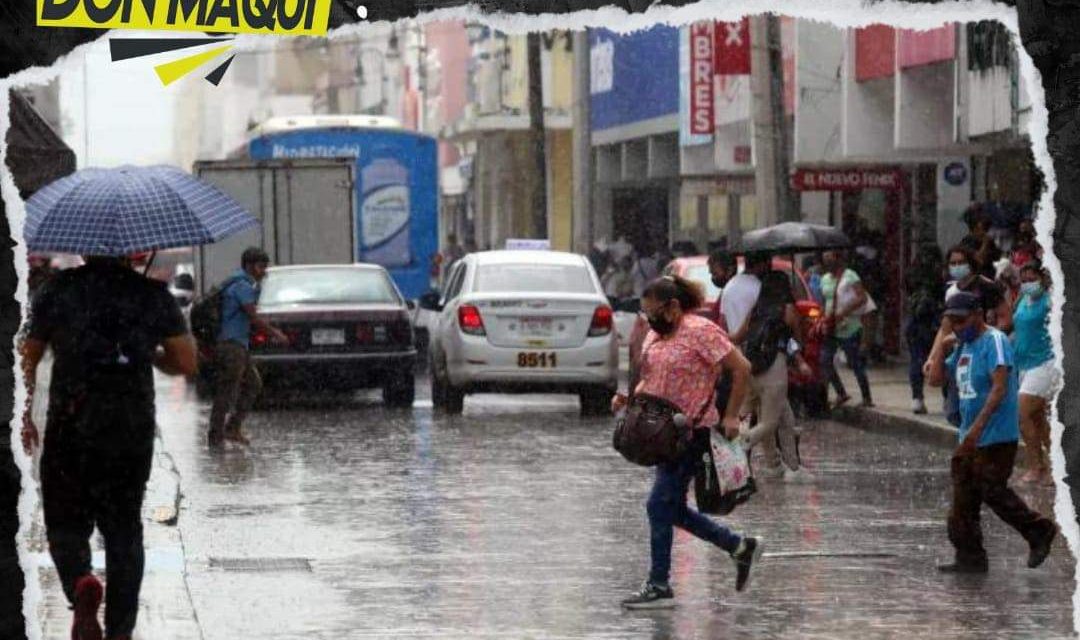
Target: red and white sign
<point>847,179</point>
<point>701,78</point>
<point>733,48</point>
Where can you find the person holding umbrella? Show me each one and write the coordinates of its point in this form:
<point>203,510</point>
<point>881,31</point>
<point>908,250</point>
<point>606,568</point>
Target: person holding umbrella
<point>108,326</point>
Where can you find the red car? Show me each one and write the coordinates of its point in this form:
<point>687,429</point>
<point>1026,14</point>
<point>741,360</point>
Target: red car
<point>807,393</point>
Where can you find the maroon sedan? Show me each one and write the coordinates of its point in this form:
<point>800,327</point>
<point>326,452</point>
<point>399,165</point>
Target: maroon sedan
<point>348,328</point>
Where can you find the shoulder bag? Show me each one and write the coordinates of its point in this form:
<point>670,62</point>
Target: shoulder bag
<point>653,431</point>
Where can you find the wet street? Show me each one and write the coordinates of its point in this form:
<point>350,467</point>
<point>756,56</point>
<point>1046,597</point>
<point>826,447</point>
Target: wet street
<point>518,520</point>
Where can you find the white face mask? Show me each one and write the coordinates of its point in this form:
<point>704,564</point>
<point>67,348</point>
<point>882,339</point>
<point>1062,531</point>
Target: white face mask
<point>1031,289</point>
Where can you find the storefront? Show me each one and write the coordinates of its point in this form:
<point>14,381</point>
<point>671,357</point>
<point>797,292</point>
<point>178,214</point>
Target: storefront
<point>634,114</point>
<point>714,211</point>
<point>870,204</point>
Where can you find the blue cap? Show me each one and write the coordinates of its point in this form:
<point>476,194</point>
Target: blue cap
<point>962,304</point>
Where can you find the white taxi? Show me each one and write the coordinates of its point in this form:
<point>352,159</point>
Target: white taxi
<point>522,322</point>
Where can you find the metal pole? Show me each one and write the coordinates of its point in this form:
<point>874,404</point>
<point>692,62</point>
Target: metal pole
<point>537,137</point>
<point>582,143</point>
<point>786,209</point>
<point>772,165</point>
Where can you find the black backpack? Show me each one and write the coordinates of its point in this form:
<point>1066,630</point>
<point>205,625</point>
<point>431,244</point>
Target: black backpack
<point>206,313</point>
<point>767,335</point>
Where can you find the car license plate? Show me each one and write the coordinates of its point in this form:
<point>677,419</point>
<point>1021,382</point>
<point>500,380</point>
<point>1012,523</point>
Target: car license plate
<point>322,337</point>
<point>527,360</point>
<point>536,326</point>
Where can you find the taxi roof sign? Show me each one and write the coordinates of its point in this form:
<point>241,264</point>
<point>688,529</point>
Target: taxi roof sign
<point>524,244</point>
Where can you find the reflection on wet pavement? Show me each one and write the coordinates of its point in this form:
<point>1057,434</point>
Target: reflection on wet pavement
<point>518,520</point>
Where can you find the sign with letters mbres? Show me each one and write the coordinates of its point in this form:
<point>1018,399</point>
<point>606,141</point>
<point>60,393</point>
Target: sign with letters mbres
<point>701,78</point>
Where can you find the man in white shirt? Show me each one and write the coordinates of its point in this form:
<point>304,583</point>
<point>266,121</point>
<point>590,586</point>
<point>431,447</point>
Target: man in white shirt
<point>768,389</point>
<point>741,293</point>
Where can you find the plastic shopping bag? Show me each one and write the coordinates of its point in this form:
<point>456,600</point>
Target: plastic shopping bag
<point>723,479</point>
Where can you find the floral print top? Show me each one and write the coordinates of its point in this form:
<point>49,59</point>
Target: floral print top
<point>683,368</point>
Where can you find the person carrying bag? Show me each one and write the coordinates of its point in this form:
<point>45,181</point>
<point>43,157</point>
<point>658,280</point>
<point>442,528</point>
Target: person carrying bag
<point>846,303</point>
<point>675,376</point>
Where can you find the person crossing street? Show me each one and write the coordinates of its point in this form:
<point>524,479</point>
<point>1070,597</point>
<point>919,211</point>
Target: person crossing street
<point>680,360</point>
<point>984,368</point>
<point>236,380</point>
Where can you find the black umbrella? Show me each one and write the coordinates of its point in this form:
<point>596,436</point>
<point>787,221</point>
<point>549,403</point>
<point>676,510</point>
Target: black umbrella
<point>793,237</point>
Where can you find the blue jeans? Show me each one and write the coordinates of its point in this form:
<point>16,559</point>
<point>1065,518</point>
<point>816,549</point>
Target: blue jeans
<point>852,349</point>
<point>667,509</point>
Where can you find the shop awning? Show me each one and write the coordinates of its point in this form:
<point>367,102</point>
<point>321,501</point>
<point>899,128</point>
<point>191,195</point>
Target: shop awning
<point>36,155</point>
<point>473,127</point>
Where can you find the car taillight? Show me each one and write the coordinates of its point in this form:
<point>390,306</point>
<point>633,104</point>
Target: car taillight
<point>401,331</point>
<point>602,321</point>
<point>470,321</point>
<point>259,339</point>
<point>813,312</point>
<point>365,333</point>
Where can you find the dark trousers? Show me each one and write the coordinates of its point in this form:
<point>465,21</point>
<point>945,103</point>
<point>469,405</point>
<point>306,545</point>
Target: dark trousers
<point>80,489</point>
<point>667,509</point>
<point>236,387</point>
<point>980,479</point>
<point>852,348</point>
<point>919,345</point>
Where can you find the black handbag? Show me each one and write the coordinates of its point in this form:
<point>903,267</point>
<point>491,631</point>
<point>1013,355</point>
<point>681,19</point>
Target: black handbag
<point>649,434</point>
<point>654,431</point>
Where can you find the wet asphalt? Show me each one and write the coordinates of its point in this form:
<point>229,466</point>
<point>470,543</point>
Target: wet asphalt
<point>518,520</point>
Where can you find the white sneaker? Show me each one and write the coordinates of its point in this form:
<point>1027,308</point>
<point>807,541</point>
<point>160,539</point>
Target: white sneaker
<point>773,472</point>
<point>918,407</point>
<point>799,476</point>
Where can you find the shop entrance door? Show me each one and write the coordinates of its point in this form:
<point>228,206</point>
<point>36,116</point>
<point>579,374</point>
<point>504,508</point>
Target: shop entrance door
<point>641,216</point>
<point>872,203</point>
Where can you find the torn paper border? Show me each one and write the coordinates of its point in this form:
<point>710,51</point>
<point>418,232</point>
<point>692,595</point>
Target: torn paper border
<point>841,13</point>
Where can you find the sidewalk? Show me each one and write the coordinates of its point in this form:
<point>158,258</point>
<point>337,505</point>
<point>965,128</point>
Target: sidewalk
<point>165,607</point>
<point>892,399</point>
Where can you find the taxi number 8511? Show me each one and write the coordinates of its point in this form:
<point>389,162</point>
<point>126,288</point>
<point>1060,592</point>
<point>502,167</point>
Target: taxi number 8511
<point>537,360</point>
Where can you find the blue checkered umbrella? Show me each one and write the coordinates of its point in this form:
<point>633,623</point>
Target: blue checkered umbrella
<point>126,210</point>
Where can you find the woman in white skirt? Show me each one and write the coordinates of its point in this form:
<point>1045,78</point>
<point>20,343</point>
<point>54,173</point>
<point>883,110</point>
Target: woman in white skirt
<point>1038,371</point>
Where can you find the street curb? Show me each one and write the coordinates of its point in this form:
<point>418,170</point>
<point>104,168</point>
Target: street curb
<point>162,504</point>
<point>892,424</point>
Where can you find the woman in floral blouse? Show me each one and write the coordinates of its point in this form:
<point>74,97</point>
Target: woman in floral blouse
<point>680,360</point>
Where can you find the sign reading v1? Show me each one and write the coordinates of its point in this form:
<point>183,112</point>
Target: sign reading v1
<point>277,17</point>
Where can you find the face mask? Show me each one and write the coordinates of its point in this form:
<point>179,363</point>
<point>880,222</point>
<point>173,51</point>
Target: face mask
<point>959,271</point>
<point>660,324</point>
<point>967,334</point>
<point>1031,289</point>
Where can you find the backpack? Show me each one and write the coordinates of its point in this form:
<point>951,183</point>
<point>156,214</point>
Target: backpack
<point>206,313</point>
<point>767,334</point>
